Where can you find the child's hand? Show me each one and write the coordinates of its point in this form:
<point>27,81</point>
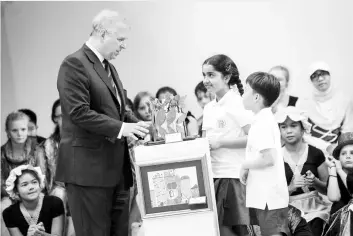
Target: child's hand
<point>31,230</point>
<point>214,143</point>
<point>40,226</point>
<point>309,179</point>
<point>338,165</point>
<point>297,182</point>
<point>330,162</point>
<point>243,176</point>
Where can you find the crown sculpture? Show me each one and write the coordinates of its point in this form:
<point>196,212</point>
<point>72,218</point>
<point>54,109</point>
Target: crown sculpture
<point>168,116</point>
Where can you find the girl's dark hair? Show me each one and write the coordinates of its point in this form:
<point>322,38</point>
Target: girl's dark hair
<point>137,101</point>
<point>165,90</point>
<point>56,135</point>
<point>130,104</point>
<point>226,66</point>
<point>27,171</point>
<point>200,87</point>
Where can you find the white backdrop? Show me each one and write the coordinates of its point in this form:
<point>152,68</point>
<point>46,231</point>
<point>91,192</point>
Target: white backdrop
<point>169,42</point>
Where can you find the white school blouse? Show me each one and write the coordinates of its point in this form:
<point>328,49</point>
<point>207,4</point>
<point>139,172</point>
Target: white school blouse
<point>225,119</point>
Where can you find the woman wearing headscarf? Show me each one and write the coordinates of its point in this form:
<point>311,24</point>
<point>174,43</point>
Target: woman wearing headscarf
<point>329,110</point>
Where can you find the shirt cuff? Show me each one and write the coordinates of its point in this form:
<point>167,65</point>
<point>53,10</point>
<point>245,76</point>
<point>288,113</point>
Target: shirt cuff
<point>121,131</point>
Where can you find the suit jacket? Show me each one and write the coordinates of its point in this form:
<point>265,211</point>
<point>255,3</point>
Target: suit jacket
<point>89,152</point>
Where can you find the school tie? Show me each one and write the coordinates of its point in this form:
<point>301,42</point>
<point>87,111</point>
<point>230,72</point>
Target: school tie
<point>116,93</point>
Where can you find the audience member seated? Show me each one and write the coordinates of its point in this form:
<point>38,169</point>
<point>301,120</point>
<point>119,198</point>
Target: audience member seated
<point>284,99</point>
<point>297,224</point>
<point>47,155</point>
<point>203,97</point>
<point>129,105</point>
<point>33,213</point>
<point>340,187</point>
<point>19,148</point>
<point>190,121</point>
<point>32,125</point>
<point>305,169</point>
<point>141,108</point>
<point>329,110</point>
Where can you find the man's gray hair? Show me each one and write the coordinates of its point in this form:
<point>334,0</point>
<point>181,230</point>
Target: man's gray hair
<point>106,21</point>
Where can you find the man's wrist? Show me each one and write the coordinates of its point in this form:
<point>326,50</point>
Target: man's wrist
<point>121,131</point>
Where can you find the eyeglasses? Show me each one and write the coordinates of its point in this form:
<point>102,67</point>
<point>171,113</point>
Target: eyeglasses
<point>317,74</point>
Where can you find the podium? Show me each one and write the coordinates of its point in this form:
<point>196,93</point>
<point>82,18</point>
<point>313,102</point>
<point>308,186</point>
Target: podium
<point>175,189</point>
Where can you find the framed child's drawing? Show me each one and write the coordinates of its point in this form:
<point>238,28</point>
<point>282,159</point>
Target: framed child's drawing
<point>174,187</point>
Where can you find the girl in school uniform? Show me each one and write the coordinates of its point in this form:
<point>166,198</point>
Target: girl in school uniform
<point>226,124</point>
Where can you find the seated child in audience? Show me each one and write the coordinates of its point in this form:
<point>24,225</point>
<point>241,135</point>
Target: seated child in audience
<point>33,213</point>
<point>203,98</point>
<point>32,125</point>
<point>129,105</point>
<point>226,124</point>
<point>19,148</point>
<point>47,155</point>
<point>141,108</point>
<point>190,121</point>
<point>297,224</point>
<point>340,187</point>
<point>263,170</point>
<point>305,167</point>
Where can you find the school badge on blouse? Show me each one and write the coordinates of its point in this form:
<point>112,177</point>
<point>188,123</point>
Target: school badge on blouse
<point>221,124</point>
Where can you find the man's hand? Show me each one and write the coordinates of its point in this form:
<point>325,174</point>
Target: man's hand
<point>243,176</point>
<point>135,129</point>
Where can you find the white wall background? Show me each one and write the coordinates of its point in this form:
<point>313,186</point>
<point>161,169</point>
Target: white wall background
<point>169,42</point>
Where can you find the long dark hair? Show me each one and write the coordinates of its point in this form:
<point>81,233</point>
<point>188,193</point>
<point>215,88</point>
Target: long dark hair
<point>137,101</point>
<point>226,66</point>
<point>56,135</point>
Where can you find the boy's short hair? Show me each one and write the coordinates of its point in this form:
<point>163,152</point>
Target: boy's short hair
<point>31,115</point>
<point>200,87</point>
<point>266,85</point>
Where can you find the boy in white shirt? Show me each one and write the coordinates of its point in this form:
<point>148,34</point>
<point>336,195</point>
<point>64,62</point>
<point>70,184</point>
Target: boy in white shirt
<point>263,170</point>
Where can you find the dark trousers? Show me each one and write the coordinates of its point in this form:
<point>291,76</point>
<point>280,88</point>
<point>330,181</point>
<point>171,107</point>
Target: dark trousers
<point>98,211</point>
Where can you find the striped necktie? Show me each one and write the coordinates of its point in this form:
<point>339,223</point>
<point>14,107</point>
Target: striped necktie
<point>107,69</point>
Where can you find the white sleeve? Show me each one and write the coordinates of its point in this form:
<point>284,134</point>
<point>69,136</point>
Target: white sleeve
<point>206,123</point>
<point>242,116</point>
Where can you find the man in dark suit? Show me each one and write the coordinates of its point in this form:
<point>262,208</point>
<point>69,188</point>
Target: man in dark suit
<point>93,155</point>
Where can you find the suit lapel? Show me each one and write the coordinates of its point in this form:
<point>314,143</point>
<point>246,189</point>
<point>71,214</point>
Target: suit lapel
<point>98,67</point>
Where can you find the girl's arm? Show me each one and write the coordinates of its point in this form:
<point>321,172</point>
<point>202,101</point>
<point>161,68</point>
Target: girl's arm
<point>57,227</point>
<point>15,232</point>
<point>232,143</point>
<point>320,184</point>
<point>333,190</point>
